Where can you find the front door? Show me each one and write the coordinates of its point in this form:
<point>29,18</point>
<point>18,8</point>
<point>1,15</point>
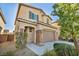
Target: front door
<point>31,35</point>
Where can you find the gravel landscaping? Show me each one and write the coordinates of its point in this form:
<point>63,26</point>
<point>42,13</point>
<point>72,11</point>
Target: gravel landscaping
<point>25,52</point>
<point>8,48</point>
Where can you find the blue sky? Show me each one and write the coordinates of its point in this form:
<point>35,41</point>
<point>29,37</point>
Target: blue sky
<point>10,10</point>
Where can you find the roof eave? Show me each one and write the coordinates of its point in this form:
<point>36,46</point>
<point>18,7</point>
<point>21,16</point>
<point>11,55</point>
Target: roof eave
<point>2,17</point>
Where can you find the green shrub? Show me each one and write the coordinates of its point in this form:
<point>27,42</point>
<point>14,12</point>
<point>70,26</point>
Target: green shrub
<point>64,49</point>
<point>21,39</point>
<point>9,53</point>
<point>50,53</point>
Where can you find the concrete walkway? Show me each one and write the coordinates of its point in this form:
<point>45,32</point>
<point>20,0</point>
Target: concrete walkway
<point>44,47</point>
<point>40,50</point>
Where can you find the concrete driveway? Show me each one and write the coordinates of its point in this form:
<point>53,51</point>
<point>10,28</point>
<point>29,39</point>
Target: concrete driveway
<point>44,47</point>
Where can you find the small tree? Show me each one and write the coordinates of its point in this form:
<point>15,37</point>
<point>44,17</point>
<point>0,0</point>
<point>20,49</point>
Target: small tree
<point>21,39</point>
<point>68,20</point>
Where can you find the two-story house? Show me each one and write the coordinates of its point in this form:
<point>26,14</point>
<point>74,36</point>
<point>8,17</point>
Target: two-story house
<point>2,22</point>
<point>36,23</point>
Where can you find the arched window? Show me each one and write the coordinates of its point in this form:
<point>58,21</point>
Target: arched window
<point>0,28</point>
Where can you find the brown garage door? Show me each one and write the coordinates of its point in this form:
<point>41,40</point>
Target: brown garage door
<point>48,36</point>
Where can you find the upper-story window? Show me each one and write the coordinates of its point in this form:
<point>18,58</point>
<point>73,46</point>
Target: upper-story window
<point>33,16</point>
<point>47,21</point>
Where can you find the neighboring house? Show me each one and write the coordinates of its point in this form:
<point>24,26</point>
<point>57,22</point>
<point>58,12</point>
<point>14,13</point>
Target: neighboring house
<point>36,23</point>
<point>2,22</point>
<point>6,31</point>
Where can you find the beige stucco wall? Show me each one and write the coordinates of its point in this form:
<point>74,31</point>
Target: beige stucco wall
<point>41,27</point>
<point>2,24</point>
<point>56,25</point>
<point>45,18</point>
<point>24,13</point>
<point>21,25</point>
<point>57,33</point>
<point>16,26</point>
